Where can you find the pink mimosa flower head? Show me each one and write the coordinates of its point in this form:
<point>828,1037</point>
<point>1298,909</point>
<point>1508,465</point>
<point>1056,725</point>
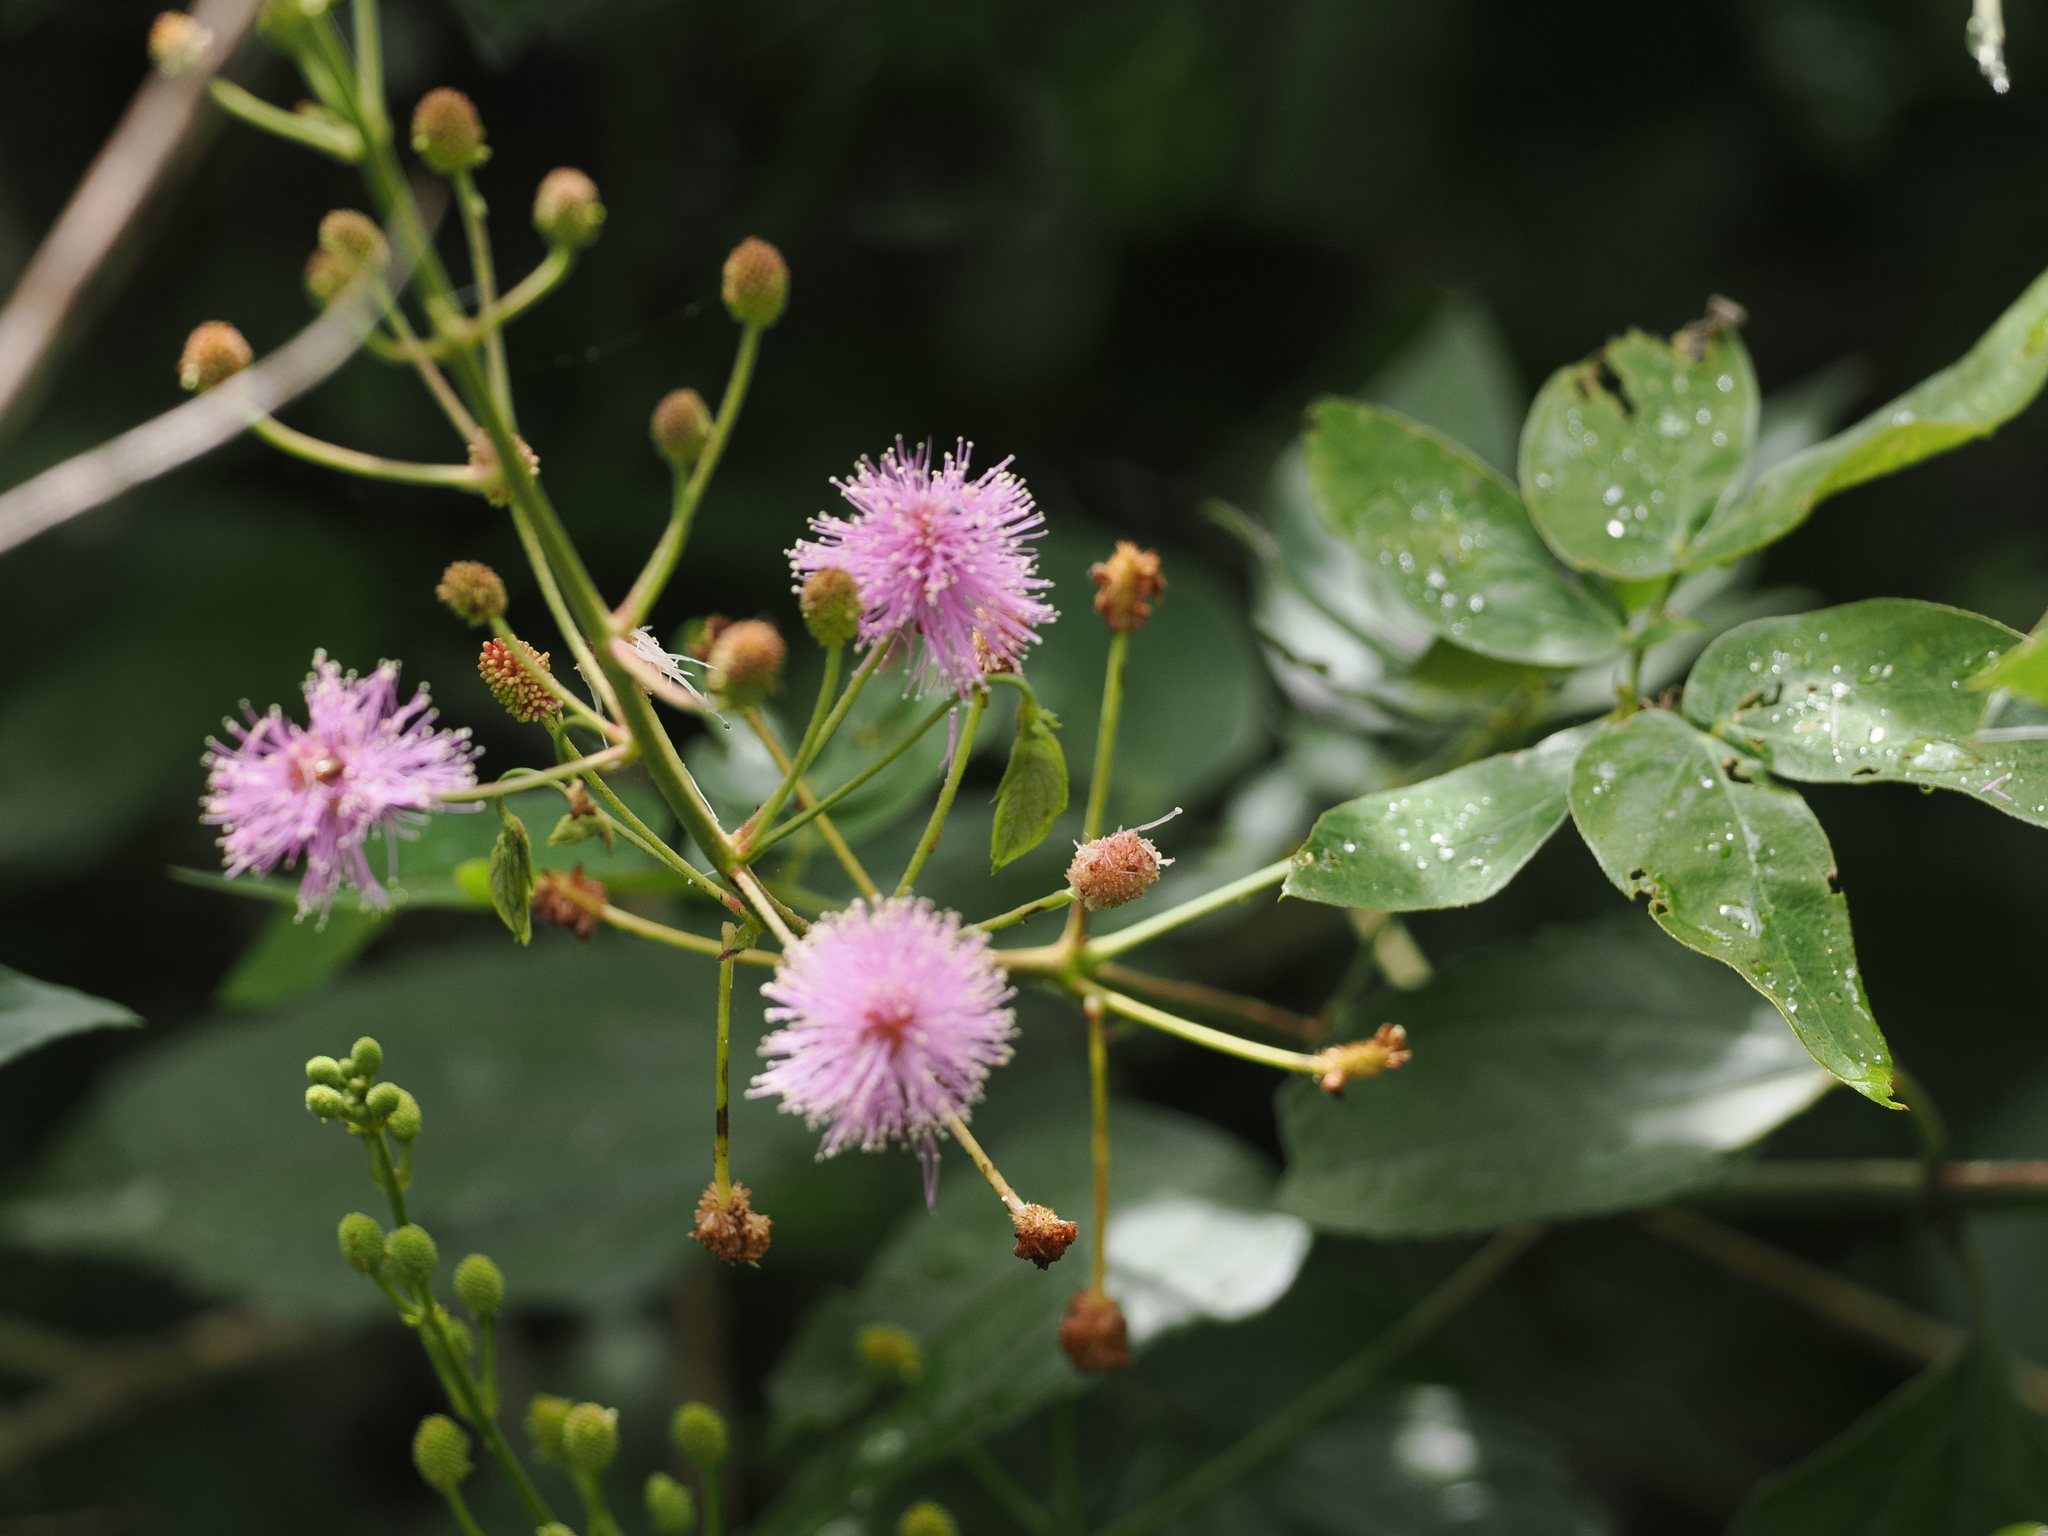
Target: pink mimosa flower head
<point>940,558</point>
<point>891,1019</point>
<point>286,792</point>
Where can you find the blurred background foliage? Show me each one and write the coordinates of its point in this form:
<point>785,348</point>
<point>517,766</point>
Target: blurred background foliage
<point>1125,241</point>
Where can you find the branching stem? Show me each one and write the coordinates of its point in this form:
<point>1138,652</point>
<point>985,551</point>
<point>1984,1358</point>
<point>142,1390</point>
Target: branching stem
<point>935,828</point>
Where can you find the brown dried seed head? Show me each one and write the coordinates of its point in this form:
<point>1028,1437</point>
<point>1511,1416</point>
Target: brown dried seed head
<point>1041,1236</point>
<point>521,694</point>
<point>1340,1064</point>
<point>213,352</point>
<point>734,1232</point>
<point>1093,1333</point>
<point>447,133</point>
<point>570,900</point>
<point>746,661</point>
<point>1113,870</point>
<point>1129,580</point>
<point>473,591</point>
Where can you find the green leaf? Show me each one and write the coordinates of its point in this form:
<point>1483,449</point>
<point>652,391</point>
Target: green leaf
<point>2023,669</point>
<point>1869,692</point>
<point>1451,538</point>
<point>1034,788</point>
<point>1736,868</point>
<point>1458,377</point>
<point>1988,386</point>
<point>33,1013</point>
<point>1951,1453</point>
<point>1593,1068</point>
<point>511,873</point>
<point>293,957</point>
<point>1446,842</point>
<point>1626,453</point>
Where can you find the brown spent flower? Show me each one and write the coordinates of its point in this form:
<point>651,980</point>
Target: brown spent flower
<point>522,695</point>
<point>1093,1332</point>
<point>483,458</point>
<point>830,602</point>
<point>569,900</point>
<point>178,42</point>
<point>1041,1236</point>
<point>566,209</point>
<point>447,133</point>
<point>214,352</point>
<point>325,276</point>
<point>1129,580</point>
<point>1113,870</point>
<point>747,659</point>
<point>734,1232</point>
<point>1384,1051</point>
<point>756,287</point>
<point>680,427</point>
<point>473,590</point>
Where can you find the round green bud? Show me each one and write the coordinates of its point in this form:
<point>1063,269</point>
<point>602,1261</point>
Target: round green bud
<point>473,592</point>
<point>404,1124</point>
<point>890,1352</point>
<point>830,601</point>
<point>671,1508</point>
<point>566,210</point>
<point>680,427</point>
<point>927,1519</point>
<point>447,133</point>
<point>325,1069</point>
<point>746,662</point>
<point>326,1102</point>
<point>381,1100</point>
<point>367,1059</point>
<point>590,1438</point>
<point>362,1241</point>
<point>440,1450</point>
<point>544,1419</point>
<point>756,286</point>
<point>411,1255</point>
<point>480,1286</point>
<point>699,1433</point>
<point>460,1339</point>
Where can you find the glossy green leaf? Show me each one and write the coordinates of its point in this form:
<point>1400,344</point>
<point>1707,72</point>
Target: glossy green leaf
<point>1625,454</point>
<point>1451,538</point>
<point>295,956</point>
<point>511,876</point>
<point>1445,842</point>
<point>33,1013</point>
<point>1870,692</point>
<point>1033,792</point>
<point>1737,868</point>
<point>1458,377</point>
<point>1593,1068</point>
<point>2023,669</point>
<point>1951,1453</point>
<point>1987,387</point>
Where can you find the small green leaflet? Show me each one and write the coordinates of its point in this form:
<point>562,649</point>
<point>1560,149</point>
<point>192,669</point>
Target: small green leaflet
<point>33,1013</point>
<point>1988,386</point>
<point>1034,788</point>
<point>2023,669</point>
<point>511,875</point>
<point>1451,538</point>
<point>1446,842</point>
<point>292,958</point>
<point>1625,454</point>
<point>1736,868</point>
<point>1869,692</point>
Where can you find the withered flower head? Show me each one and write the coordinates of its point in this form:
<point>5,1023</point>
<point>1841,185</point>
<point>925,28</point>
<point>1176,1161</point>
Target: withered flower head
<point>1129,580</point>
<point>1093,1332</point>
<point>1384,1051</point>
<point>569,900</point>
<point>733,1232</point>
<point>1113,870</point>
<point>1041,1236</point>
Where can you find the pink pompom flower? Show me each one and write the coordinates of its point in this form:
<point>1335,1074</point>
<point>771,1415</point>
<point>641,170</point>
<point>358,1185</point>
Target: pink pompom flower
<point>286,792</point>
<point>892,1018</point>
<point>940,557</point>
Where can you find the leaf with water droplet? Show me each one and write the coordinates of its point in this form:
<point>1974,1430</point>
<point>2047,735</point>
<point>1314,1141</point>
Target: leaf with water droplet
<point>1446,842</point>
<point>1735,867</point>
<point>1870,693</point>
<point>1451,539</point>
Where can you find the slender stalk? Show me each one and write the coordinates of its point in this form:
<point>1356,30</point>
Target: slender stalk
<point>476,226</point>
<point>816,739</point>
<point>414,352</point>
<point>810,813</point>
<point>711,1499</point>
<point>550,684</point>
<point>487,1354</point>
<point>465,333</point>
<point>336,140</point>
<point>962,750</point>
<point>766,905</point>
<point>1116,943</point>
<point>1250,1009</point>
<point>558,607</point>
<point>371,466</point>
<point>661,564</point>
<point>721,1134</point>
<point>1001,1487</point>
<point>384,1176</point>
<point>465,1401</point>
<point>677,938</point>
<point>828,687</point>
<point>1214,1039</point>
<point>1098,1080</point>
<point>370,70</point>
<point>1105,736</point>
<point>463,1517</point>
<point>1030,909</point>
<point>642,834</point>
<point>841,849</point>
<point>958,1128</point>
<point>597,1519</point>
<point>1333,1391</point>
<point>521,779</point>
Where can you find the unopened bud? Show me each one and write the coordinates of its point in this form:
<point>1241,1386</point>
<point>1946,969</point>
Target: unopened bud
<point>473,592</point>
<point>404,1123</point>
<point>1113,870</point>
<point>490,474</point>
<point>381,1100</point>
<point>544,1419</point>
<point>460,1339</point>
<point>746,662</point>
<point>1093,1332</point>
<point>362,1241</point>
<point>214,353</point>
<point>671,1508</point>
<point>890,1352</point>
<point>512,685</point>
<point>927,1519</point>
<point>326,1102</point>
<point>354,237</point>
<point>178,42</point>
<point>410,1254</point>
<point>325,1069</point>
<point>830,600</point>
<point>365,1058</point>
<point>566,210</point>
<point>698,1430</point>
<point>1129,580</point>
<point>447,133</point>
<point>756,283</point>
<point>680,427</point>
<point>734,1231</point>
<point>570,899</point>
<point>480,1286</point>
<point>590,1438</point>
<point>325,277</point>
<point>1041,1236</point>
<point>440,1450</point>
<point>1340,1064</point>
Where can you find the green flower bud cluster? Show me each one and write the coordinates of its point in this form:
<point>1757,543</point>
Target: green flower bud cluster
<point>348,1091</point>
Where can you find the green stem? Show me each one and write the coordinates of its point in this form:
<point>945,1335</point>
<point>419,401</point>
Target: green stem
<point>384,1176</point>
<point>1332,1392</point>
<point>676,938</point>
<point>464,1398</point>
<point>1030,909</point>
<point>462,333</point>
<point>644,836</point>
<point>1105,736</point>
<point>793,767</point>
<point>487,1346</point>
<point>597,1519</point>
<point>1098,1080</point>
<point>550,684</point>
<point>661,564</point>
<point>825,803</point>
<point>1003,1488</point>
<point>770,911</point>
<point>463,1517</point>
<point>962,750</point>
<point>1111,945</point>
<point>841,849</point>
<point>522,779</point>
<point>336,140</point>
<point>412,350</point>
<point>1202,1034</point>
<point>711,1498</point>
<point>721,1145</point>
<point>1251,1009</point>
<point>351,461</point>
<point>958,1129</point>
<point>1854,1188</point>
<point>476,226</point>
<point>369,91</point>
